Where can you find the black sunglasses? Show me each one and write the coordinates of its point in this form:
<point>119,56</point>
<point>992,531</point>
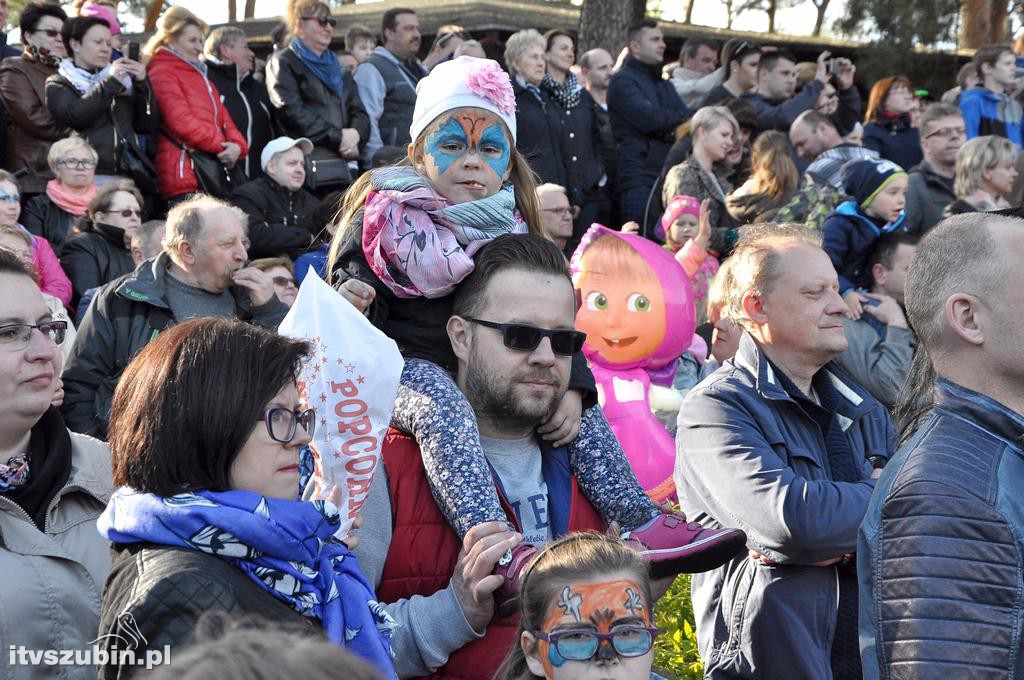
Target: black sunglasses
<point>285,281</point>
<point>524,338</point>
<point>52,33</point>
<point>323,21</point>
<point>128,212</point>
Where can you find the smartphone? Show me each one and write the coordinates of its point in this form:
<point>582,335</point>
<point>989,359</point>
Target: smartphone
<point>132,51</point>
<point>833,65</point>
<point>443,40</point>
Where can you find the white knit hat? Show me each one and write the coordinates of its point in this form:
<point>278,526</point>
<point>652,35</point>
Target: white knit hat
<point>465,81</point>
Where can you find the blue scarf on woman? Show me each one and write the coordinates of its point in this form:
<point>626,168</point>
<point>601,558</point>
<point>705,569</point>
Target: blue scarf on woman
<point>286,547</point>
<point>325,67</point>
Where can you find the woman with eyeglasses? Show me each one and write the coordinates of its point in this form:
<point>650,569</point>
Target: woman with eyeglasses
<point>30,127</point>
<point>205,431</point>
<point>53,486</point>
<point>101,249</point>
<point>193,118</point>
<point>53,213</point>
<point>282,272</point>
<point>106,102</point>
<point>315,98</point>
<point>888,128</point>
<point>586,611</point>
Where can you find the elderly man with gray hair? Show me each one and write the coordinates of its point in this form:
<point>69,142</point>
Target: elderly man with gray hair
<point>202,272</point>
<point>230,63</point>
<point>783,444</point>
<point>941,549</point>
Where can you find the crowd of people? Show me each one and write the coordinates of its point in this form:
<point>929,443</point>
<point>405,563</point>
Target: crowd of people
<point>850,422</point>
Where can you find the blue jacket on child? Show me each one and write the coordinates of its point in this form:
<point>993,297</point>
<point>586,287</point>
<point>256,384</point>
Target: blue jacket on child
<point>849,235</point>
<point>982,115</point>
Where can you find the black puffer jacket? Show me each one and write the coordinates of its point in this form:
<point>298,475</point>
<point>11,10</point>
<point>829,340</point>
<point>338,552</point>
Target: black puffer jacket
<point>306,108</point>
<point>92,115</point>
<point>248,105</point>
<point>43,217</point>
<point>125,315</point>
<point>95,257</point>
<point>167,590</point>
<point>280,221</point>
<point>540,138</point>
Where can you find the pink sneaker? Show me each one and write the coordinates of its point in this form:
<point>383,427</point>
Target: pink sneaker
<point>672,546</point>
<point>512,566</point>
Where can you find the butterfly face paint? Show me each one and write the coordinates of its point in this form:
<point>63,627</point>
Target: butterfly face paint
<point>599,607</point>
<point>467,155</point>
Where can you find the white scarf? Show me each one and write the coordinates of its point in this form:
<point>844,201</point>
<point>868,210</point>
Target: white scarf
<point>84,81</point>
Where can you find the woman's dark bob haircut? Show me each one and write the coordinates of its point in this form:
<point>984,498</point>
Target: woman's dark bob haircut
<point>188,402</point>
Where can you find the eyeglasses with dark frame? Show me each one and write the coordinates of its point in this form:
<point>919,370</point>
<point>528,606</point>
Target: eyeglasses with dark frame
<point>323,21</point>
<point>50,32</point>
<point>525,338</point>
<point>282,423</point>
<point>285,281</point>
<point>17,336</point>
<point>947,132</point>
<point>128,212</point>
<point>566,210</point>
<point>77,163</point>
<point>581,644</point>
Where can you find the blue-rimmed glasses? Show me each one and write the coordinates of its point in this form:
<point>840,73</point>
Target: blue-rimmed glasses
<point>577,644</point>
<point>282,423</point>
<point>17,336</point>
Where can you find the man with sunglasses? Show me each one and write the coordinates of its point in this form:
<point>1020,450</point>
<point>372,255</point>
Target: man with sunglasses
<point>387,81</point>
<point>930,188</point>
<point>53,486</point>
<point>203,271</point>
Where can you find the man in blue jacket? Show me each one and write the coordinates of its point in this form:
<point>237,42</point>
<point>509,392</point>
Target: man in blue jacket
<point>644,110</point>
<point>941,550</point>
<point>989,109</point>
<point>783,444</point>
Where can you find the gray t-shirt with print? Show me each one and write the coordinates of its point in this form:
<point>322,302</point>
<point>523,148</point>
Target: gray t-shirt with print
<point>517,463</point>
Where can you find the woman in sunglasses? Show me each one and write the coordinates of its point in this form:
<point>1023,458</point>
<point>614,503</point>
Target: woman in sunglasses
<point>586,612</point>
<point>205,432</point>
<point>101,249</point>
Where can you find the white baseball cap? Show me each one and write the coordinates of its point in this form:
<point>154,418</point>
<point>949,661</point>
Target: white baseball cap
<point>276,146</point>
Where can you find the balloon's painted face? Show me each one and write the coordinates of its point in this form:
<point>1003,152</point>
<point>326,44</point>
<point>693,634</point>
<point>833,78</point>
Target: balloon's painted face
<point>622,308</point>
<point>582,610</point>
<point>466,155</point>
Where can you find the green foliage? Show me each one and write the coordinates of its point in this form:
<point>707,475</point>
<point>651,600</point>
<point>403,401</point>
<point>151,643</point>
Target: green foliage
<point>676,647</point>
<point>904,24</point>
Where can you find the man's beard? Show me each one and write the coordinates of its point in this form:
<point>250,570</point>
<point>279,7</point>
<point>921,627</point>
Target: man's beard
<point>494,397</point>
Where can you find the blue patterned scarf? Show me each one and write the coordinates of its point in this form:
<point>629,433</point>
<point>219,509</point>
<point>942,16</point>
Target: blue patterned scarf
<point>325,67</point>
<point>285,547</point>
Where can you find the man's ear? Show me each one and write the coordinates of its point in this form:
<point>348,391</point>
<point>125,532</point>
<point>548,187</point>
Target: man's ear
<point>753,307</point>
<point>186,253</point>
<point>532,654</point>
<point>459,334</point>
<point>878,273</point>
<point>963,314</point>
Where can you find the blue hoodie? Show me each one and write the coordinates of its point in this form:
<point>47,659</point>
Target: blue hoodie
<point>987,113</point>
<point>849,235</point>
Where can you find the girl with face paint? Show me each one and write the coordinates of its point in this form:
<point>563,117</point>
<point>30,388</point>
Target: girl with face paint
<point>405,240</point>
<point>586,613</point>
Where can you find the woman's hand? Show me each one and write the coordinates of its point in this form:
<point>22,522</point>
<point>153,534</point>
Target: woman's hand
<point>564,424</point>
<point>125,66</point>
<point>229,155</point>
<point>630,228</point>
<point>349,143</point>
<point>58,393</point>
<point>855,308</point>
<point>358,293</point>
<point>703,237</point>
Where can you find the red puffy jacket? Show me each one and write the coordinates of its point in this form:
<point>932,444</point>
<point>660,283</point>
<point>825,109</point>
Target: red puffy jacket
<point>191,112</point>
<point>424,550</point>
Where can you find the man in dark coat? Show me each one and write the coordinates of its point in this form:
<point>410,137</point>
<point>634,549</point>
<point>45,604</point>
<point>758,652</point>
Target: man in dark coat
<point>644,110</point>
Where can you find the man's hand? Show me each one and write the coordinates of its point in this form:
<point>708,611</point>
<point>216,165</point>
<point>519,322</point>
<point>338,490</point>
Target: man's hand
<point>229,154</point>
<point>358,293</point>
<point>887,311</point>
<point>845,74</point>
<point>855,307</point>
<point>703,237</point>
<point>563,425</point>
<point>821,72</point>
<point>58,393</point>
<point>755,555</point>
<point>261,286</point>
<point>349,148</point>
<point>474,580</point>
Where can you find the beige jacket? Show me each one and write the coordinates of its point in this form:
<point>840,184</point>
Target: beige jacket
<point>52,580</point>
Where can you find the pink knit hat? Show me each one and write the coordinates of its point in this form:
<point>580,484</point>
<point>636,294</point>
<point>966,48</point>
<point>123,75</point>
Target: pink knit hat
<point>94,9</point>
<point>679,205</point>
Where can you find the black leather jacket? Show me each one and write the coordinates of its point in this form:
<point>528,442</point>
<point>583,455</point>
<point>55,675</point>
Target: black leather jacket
<point>43,217</point>
<point>280,221</point>
<point>306,108</point>
<point>95,257</point>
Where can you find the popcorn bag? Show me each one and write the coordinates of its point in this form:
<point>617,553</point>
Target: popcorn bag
<point>351,380</point>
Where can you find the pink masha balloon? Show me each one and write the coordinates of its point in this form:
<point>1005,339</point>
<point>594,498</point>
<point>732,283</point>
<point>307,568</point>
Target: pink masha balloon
<point>636,307</point>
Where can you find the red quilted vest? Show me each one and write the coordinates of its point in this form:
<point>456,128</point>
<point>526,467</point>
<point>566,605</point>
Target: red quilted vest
<point>424,550</point>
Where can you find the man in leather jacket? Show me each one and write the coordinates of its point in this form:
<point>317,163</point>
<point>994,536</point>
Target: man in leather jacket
<point>941,549</point>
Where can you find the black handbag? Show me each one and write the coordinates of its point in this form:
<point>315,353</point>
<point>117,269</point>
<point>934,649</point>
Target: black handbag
<point>212,176</point>
<point>131,163</point>
<point>326,169</point>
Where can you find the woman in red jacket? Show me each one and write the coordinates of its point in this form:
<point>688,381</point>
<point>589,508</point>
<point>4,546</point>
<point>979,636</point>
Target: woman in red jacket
<point>192,115</point>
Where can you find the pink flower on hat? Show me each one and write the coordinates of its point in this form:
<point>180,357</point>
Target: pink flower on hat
<point>488,81</point>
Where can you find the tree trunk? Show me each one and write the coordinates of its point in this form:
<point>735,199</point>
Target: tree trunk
<point>689,12</point>
<point>232,11</point>
<point>603,24</point>
<point>819,22</point>
<point>153,13</point>
<point>250,9</point>
<point>770,8</point>
<point>984,22</point>
<point>728,13</point>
